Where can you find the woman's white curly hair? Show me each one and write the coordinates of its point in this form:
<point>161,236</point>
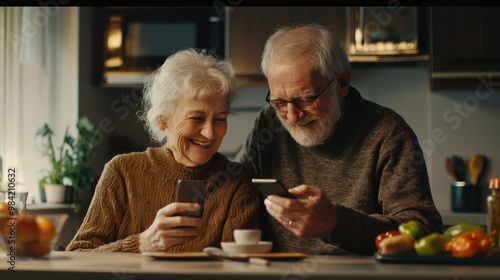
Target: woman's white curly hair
<point>187,73</point>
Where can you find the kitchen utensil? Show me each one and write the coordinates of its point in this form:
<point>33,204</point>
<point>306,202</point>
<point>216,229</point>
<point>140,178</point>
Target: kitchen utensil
<point>218,253</point>
<point>476,167</point>
<point>458,165</point>
<point>449,168</point>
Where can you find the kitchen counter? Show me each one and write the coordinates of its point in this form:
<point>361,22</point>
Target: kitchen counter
<point>451,218</point>
<point>116,266</point>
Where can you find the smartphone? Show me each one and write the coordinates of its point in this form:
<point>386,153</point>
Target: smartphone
<point>191,191</point>
<point>271,186</point>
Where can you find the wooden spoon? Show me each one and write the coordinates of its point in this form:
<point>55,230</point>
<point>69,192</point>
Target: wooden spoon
<point>476,166</point>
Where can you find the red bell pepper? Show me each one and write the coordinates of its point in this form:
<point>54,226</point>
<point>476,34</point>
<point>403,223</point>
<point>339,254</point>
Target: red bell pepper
<point>383,236</point>
<point>469,244</point>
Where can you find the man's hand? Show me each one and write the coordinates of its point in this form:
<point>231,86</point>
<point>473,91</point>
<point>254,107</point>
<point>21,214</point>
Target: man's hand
<point>311,214</point>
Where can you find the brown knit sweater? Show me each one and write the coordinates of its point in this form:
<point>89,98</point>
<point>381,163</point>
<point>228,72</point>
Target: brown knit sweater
<point>135,186</point>
<point>373,169</point>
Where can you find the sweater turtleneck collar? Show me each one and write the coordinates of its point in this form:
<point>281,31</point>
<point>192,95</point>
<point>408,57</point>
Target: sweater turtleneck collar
<point>164,160</point>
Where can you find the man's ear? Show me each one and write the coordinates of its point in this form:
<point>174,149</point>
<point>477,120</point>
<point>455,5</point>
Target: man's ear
<point>344,79</point>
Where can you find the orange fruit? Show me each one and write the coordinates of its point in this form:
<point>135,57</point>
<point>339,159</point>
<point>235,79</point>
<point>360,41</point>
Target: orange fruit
<point>26,229</point>
<point>4,208</point>
<point>4,212</point>
<point>32,249</point>
<point>40,249</point>
<point>46,228</point>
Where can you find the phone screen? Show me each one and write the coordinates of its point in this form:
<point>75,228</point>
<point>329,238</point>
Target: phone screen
<point>271,186</point>
<point>191,191</point>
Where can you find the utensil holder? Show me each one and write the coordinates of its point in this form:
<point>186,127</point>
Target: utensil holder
<point>465,197</point>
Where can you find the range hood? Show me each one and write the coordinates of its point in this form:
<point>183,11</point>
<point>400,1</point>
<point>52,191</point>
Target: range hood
<point>387,34</point>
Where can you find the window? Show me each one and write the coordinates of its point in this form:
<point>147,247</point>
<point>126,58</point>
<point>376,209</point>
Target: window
<point>38,84</point>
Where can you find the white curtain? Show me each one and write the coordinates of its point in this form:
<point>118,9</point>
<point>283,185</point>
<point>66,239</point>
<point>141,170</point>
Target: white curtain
<point>38,84</point>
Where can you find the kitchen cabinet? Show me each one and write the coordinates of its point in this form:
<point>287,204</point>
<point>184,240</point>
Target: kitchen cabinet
<point>465,45</point>
<point>251,26</point>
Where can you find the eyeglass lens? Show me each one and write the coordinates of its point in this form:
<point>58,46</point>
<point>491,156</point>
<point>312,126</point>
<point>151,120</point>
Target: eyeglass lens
<point>303,103</point>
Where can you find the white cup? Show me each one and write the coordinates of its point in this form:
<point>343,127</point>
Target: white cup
<point>247,236</point>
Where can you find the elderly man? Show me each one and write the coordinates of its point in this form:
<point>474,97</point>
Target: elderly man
<point>355,167</point>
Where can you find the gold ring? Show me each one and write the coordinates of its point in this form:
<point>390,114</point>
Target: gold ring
<point>290,223</point>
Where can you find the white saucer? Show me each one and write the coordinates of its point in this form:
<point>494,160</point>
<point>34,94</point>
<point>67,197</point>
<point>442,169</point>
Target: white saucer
<point>233,247</point>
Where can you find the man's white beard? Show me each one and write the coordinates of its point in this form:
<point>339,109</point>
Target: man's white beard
<point>320,130</point>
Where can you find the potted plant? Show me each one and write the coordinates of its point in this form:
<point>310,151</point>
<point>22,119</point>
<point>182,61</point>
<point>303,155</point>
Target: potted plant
<point>69,162</point>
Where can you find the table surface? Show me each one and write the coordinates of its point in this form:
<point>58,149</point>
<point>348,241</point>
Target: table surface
<point>129,266</point>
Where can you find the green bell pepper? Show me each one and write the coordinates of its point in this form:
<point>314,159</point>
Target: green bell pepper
<point>414,229</point>
<point>461,228</point>
<point>430,245</point>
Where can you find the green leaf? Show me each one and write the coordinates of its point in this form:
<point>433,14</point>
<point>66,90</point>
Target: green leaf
<point>44,131</point>
<point>71,160</point>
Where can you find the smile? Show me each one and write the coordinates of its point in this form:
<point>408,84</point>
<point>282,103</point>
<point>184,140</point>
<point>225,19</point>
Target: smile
<point>303,123</point>
<point>203,144</point>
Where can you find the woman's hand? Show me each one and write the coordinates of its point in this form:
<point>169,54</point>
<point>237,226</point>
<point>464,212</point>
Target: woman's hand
<point>311,214</point>
<point>169,228</point>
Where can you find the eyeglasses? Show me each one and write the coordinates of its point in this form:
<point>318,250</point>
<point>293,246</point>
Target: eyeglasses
<point>306,103</point>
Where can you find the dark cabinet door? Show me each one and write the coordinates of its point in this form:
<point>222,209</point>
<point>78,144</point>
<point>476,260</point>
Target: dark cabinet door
<point>465,46</point>
<point>251,26</point>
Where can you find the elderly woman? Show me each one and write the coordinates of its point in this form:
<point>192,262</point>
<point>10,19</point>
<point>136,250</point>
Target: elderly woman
<point>186,106</point>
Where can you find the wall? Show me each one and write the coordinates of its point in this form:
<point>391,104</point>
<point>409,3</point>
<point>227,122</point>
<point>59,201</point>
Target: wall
<point>112,110</point>
<point>441,126</point>
<point>469,120</point>
<point>404,87</point>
